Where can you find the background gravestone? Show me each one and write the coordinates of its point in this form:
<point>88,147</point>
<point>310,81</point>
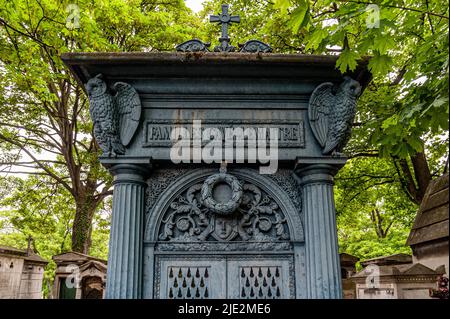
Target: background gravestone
<point>21,272</point>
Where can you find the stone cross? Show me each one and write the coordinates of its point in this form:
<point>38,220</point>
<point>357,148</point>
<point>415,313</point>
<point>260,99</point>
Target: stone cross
<point>30,240</point>
<point>225,19</point>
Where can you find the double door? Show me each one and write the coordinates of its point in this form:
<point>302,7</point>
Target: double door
<point>230,277</point>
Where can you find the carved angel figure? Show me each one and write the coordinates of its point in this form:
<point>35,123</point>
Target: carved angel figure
<point>331,112</point>
<point>116,117</point>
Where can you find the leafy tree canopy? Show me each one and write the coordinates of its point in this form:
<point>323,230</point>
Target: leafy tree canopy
<point>400,133</point>
<point>44,123</point>
<point>400,136</point>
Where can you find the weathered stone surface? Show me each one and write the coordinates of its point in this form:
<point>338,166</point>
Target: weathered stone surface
<point>396,259</point>
<point>21,273</point>
<point>429,235</point>
<point>431,222</point>
<point>78,276</point>
<point>403,281</point>
<point>173,220</point>
<point>322,257</point>
<point>125,245</point>
<point>348,269</point>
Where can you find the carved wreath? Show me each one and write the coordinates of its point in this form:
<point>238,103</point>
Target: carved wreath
<point>211,203</point>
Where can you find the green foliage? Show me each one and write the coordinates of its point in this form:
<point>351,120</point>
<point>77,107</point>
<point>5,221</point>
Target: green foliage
<point>300,16</point>
<point>402,112</point>
<point>408,47</point>
<point>44,120</point>
<point>258,21</point>
<point>44,112</point>
<point>374,215</point>
<point>347,60</point>
<point>38,207</point>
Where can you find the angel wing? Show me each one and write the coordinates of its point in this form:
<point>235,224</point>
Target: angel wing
<point>129,107</point>
<point>319,108</point>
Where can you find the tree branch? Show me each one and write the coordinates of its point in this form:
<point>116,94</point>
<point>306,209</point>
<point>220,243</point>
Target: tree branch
<point>396,7</point>
<point>40,164</point>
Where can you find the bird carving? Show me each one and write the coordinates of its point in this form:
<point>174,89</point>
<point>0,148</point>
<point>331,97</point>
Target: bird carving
<point>331,113</point>
<point>116,117</point>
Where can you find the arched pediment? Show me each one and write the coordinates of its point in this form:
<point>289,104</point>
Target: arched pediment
<point>251,209</point>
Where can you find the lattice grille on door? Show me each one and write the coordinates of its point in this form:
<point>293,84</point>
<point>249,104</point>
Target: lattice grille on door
<point>188,282</point>
<point>260,282</point>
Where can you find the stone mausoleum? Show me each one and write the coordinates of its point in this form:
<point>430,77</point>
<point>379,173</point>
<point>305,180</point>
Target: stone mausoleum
<point>221,229</point>
<point>396,277</point>
<point>21,273</point>
<point>402,276</point>
<point>78,276</point>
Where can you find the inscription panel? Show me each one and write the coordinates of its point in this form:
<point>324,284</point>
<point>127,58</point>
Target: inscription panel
<point>157,133</point>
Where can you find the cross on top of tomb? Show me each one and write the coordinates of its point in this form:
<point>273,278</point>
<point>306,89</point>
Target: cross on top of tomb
<point>225,19</point>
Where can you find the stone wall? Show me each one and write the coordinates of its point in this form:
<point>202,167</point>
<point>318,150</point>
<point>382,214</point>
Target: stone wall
<point>10,276</point>
<point>432,255</point>
<point>21,273</point>
<point>31,282</point>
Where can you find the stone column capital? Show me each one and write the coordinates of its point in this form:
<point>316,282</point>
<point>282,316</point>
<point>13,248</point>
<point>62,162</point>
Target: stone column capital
<point>319,171</point>
<point>316,173</point>
<point>130,173</point>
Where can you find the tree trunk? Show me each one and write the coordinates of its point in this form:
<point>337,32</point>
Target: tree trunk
<point>421,173</point>
<point>377,221</point>
<point>415,186</point>
<point>82,224</point>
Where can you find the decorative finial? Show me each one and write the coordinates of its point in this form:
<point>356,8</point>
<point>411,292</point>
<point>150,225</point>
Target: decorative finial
<point>30,240</point>
<point>225,19</point>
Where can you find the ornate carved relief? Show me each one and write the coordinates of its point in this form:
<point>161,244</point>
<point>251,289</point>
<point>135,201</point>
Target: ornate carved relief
<point>255,217</point>
<point>213,205</point>
<point>158,182</point>
<point>224,246</point>
<point>255,46</point>
<point>194,45</point>
<point>258,223</point>
<point>285,179</point>
<point>115,117</point>
<point>331,112</point>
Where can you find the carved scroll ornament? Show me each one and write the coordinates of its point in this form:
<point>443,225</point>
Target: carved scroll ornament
<point>191,217</point>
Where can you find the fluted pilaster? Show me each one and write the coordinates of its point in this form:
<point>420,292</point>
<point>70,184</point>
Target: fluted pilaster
<point>321,245</point>
<point>124,277</point>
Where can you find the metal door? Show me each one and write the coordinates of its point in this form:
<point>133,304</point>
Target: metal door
<point>231,277</point>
